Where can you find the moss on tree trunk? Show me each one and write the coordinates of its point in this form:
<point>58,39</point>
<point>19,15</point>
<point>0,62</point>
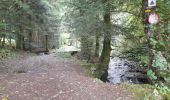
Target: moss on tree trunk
<point>105,55</point>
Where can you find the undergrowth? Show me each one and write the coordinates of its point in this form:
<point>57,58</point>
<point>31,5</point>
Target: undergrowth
<point>6,53</point>
<point>64,55</point>
<point>146,92</point>
<point>90,69</point>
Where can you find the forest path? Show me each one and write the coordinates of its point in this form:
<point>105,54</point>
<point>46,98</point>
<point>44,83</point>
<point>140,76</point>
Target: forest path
<point>50,78</point>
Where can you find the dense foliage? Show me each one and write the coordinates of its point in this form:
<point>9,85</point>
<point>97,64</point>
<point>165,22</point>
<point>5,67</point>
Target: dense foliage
<point>98,24</point>
<point>104,28</point>
<point>27,22</point>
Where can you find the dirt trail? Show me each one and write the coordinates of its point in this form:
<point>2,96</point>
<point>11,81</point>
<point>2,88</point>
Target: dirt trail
<point>49,78</point>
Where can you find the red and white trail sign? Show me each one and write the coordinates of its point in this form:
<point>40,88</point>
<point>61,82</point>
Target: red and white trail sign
<point>153,18</point>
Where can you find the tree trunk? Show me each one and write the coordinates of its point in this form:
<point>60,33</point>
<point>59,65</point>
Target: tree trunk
<point>22,43</point>
<point>46,43</point>
<point>3,41</point>
<point>97,45</point>
<point>105,56</point>
<point>30,34</point>
<point>30,40</point>
<point>18,41</point>
<point>20,36</point>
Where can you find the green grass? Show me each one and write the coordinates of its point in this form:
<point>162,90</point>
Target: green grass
<point>144,92</point>
<point>88,65</point>
<point>88,68</point>
<point>65,55</point>
<point>139,91</point>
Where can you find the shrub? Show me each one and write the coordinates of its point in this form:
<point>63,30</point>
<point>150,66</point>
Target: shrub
<point>4,53</point>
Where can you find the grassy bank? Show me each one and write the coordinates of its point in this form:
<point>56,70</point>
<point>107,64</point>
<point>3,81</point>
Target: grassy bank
<point>146,92</point>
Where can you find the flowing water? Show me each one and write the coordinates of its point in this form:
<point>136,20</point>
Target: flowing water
<point>121,70</point>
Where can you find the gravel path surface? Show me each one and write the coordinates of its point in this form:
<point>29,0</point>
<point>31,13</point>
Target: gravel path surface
<point>50,78</point>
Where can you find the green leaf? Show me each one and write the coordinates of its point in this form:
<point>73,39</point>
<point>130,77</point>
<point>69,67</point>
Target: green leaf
<point>151,75</point>
<point>153,41</point>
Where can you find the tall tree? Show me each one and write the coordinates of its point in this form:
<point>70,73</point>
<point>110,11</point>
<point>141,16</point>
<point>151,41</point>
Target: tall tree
<point>105,55</point>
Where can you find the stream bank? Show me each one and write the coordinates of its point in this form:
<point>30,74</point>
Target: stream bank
<point>122,70</point>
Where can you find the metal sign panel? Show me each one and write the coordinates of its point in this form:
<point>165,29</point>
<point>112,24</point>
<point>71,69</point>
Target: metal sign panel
<point>151,3</point>
<point>153,18</point>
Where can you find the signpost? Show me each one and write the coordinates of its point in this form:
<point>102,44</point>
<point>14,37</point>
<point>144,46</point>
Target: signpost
<point>153,18</point>
<point>151,3</point>
<point>150,18</point>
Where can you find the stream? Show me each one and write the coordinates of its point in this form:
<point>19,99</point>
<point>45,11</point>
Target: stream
<point>122,70</point>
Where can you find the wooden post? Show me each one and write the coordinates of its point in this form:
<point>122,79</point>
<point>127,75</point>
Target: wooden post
<point>147,29</point>
<point>46,43</point>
